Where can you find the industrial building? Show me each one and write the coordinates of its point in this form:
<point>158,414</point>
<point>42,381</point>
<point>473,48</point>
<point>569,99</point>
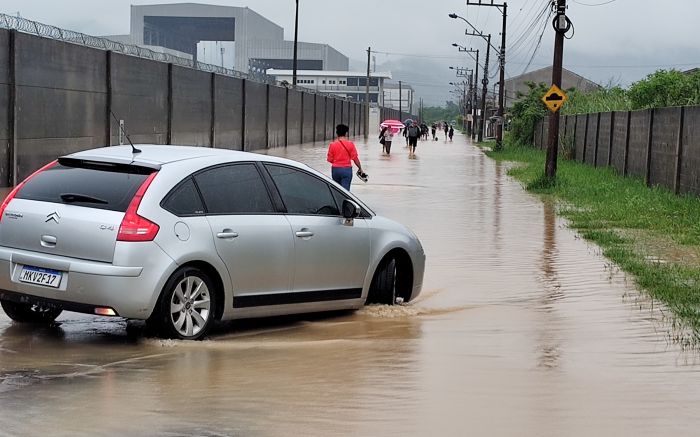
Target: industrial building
<point>247,41</point>
<point>349,84</point>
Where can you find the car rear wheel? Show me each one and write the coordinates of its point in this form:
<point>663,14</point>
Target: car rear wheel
<point>187,305</point>
<point>29,313</point>
<point>383,288</point>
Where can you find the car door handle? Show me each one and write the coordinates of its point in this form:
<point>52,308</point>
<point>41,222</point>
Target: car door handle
<point>304,234</point>
<point>227,234</point>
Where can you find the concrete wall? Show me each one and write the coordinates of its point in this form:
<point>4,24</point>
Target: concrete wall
<point>276,116</point>
<point>618,156</point>
<point>330,118</point>
<point>294,117</point>
<point>605,124</point>
<point>319,118</point>
<point>660,146</point>
<point>229,113</point>
<point>6,164</point>
<point>309,112</point>
<point>255,109</point>
<point>192,108</point>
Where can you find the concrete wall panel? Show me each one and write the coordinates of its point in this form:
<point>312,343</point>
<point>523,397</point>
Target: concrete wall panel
<point>690,163</point>
<point>5,164</point>
<point>191,124</point>
<point>277,126</point>
<point>664,142</point>
<point>338,113</point>
<point>604,135</point>
<point>61,100</point>
<point>308,121</point>
<point>619,143</point>
<point>255,116</point>
<point>330,118</point>
<point>639,139</point>
<point>229,113</point>
<point>581,128</point>
<point>140,98</point>
<point>320,115</point>
<point>591,139</point>
<point>294,117</point>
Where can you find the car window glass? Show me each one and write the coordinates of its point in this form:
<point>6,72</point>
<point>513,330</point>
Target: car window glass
<point>303,193</point>
<point>184,200</point>
<point>234,189</point>
<point>106,187</point>
<point>339,197</point>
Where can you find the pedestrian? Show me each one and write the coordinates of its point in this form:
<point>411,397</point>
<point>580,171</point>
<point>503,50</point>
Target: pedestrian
<point>413,132</point>
<point>388,135</point>
<point>451,132</point>
<point>433,129</point>
<point>341,154</point>
<point>382,140</point>
<point>447,128</point>
<point>424,131</point>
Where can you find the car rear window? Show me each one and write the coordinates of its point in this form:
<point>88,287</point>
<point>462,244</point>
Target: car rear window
<point>94,185</point>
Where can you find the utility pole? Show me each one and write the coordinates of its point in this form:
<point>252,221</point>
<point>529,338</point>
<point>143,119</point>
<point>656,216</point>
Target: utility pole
<point>296,38</point>
<point>484,90</point>
<point>400,102</point>
<point>468,104</point>
<point>475,116</point>
<point>561,26</point>
<point>369,52</point>
<point>410,102</point>
<point>502,62</point>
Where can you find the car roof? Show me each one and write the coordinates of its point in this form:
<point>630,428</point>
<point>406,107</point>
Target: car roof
<point>155,156</point>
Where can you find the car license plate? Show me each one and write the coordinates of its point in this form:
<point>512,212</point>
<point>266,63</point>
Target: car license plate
<point>40,276</point>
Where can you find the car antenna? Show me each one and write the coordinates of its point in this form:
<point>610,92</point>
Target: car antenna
<point>134,150</point>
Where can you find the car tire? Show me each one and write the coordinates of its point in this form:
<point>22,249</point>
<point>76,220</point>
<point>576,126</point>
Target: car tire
<point>28,313</point>
<point>383,288</point>
<point>187,306</point>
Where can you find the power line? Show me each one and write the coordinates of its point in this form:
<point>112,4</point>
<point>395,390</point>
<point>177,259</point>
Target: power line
<point>594,4</point>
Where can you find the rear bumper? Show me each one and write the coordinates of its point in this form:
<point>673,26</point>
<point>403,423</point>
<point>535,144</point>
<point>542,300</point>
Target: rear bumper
<point>131,291</point>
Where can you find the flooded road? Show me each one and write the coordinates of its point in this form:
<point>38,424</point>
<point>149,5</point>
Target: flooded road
<point>522,329</point>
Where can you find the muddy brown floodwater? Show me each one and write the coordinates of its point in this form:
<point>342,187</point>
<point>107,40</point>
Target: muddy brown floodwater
<point>522,329</point>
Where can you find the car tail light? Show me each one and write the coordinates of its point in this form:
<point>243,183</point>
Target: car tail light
<point>133,226</point>
<point>19,186</point>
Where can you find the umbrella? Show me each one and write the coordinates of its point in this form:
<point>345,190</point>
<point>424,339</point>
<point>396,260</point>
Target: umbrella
<point>393,124</point>
<point>408,122</point>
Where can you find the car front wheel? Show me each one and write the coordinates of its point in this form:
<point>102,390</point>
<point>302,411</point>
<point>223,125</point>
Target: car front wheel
<point>383,288</point>
<point>187,306</point>
<point>29,313</point>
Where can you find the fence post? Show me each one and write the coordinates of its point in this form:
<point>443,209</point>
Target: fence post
<point>286,116</point>
<point>679,151</point>
<point>12,112</point>
<point>212,131</point>
<point>267,116</point>
<point>108,98</point>
<point>627,144</point>
<point>169,134</point>
<point>243,103</point>
<point>315,121</point>
<point>610,139</point>
<point>585,140</point>
<point>647,172</point>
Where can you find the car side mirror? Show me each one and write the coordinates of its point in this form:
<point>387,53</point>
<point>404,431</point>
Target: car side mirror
<point>351,209</point>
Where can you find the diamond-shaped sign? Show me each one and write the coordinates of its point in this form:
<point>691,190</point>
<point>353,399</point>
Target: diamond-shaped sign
<point>554,98</point>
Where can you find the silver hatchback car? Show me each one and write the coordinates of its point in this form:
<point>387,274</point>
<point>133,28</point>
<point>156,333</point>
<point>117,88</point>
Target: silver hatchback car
<point>184,236</point>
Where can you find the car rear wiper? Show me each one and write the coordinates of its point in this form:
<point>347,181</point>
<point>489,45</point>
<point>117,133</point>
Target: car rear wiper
<point>84,198</point>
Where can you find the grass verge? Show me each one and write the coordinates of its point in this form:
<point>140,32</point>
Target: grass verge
<point>650,233</point>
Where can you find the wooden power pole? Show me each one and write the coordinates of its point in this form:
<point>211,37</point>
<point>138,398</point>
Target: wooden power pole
<point>561,26</point>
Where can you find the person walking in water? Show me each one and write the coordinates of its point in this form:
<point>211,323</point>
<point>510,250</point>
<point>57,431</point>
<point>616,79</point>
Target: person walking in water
<point>388,135</point>
<point>341,154</point>
<point>413,132</point>
<point>447,129</point>
<point>433,130</point>
<point>451,132</point>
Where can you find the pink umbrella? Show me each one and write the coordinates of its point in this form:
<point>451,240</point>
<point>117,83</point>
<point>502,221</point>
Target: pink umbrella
<point>392,124</point>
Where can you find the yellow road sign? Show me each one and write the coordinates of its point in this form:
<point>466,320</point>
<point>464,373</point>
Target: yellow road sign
<point>554,98</point>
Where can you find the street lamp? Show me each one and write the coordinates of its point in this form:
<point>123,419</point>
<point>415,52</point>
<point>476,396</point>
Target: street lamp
<point>296,38</point>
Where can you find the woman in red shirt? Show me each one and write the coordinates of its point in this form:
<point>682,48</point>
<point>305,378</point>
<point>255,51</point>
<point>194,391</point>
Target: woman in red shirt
<point>341,154</point>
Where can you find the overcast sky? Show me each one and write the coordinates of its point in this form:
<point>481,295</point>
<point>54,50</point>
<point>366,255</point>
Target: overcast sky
<point>618,42</point>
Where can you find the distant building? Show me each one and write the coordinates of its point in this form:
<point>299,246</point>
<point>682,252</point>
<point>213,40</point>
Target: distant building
<point>393,100</point>
<point>249,42</point>
<point>569,79</point>
<point>350,84</point>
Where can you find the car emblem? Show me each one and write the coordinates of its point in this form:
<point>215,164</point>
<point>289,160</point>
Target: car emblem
<point>53,216</point>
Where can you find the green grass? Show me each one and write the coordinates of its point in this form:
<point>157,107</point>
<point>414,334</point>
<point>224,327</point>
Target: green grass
<point>650,233</point>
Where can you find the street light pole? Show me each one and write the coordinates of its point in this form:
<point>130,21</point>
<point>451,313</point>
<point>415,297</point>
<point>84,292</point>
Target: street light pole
<point>296,39</point>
